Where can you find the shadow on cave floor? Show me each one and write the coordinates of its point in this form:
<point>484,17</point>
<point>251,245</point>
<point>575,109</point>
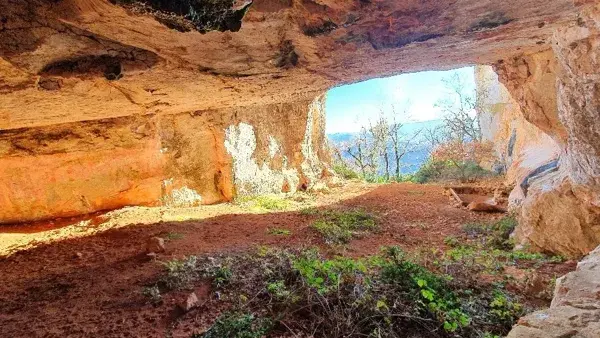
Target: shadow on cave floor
<point>24,236</point>
<point>92,285</point>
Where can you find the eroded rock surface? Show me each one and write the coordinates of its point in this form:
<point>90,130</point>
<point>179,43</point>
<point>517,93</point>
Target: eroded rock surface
<point>75,60</point>
<point>553,139</point>
<point>178,160</point>
<point>575,309</point>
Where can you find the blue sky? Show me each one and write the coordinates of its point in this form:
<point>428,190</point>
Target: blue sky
<point>348,107</point>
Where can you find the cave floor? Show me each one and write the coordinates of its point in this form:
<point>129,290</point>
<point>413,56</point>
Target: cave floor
<point>85,279</point>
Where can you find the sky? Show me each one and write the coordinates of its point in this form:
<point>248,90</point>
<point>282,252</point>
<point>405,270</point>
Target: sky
<point>351,106</point>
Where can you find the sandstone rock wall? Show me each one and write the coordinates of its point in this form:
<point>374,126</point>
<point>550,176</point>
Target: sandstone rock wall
<point>520,146</point>
<point>575,309</point>
<point>557,91</point>
<point>179,160</point>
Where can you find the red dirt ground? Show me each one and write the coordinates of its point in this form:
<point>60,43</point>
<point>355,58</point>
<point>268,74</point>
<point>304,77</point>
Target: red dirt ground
<point>90,286</point>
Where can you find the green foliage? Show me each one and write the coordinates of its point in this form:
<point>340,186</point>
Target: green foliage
<point>345,172</point>
<point>339,227</point>
<point>326,275</point>
<point>387,295</point>
<point>237,325</point>
<point>496,235</point>
<point>219,272</point>
<point>279,232</point>
<point>504,309</point>
<point>332,233</point>
<point>264,202</point>
<point>180,273</point>
<point>278,289</point>
<point>428,290</point>
<point>153,294</point>
<point>451,241</point>
<point>433,170</point>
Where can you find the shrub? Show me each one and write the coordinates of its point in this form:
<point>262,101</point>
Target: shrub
<point>496,235</point>
<point>387,295</point>
<point>237,325</point>
<point>463,158</point>
<point>180,273</point>
<point>345,172</point>
<point>153,294</point>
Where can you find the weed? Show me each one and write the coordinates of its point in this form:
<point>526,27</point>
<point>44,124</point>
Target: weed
<point>237,325</point>
<point>153,294</point>
<point>451,241</point>
<point>332,233</point>
<point>309,211</point>
<point>339,227</point>
<point>219,272</point>
<point>504,309</point>
<point>383,296</point>
<point>278,289</point>
<point>279,232</point>
<point>345,172</point>
<point>180,274</point>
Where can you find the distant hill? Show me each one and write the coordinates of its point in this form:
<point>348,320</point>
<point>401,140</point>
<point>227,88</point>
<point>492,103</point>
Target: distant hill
<point>412,161</point>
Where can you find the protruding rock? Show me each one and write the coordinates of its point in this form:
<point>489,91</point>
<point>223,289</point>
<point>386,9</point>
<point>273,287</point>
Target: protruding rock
<point>575,309</point>
<point>189,303</point>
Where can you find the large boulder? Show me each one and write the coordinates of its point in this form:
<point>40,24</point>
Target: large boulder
<point>575,309</point>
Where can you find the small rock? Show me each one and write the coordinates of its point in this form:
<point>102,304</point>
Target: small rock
<point>189,303</point>
<point>78,255</point>
<point>155,245</point>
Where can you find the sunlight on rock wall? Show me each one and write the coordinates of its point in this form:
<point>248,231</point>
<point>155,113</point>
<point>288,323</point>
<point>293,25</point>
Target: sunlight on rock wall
<point>249,176</point>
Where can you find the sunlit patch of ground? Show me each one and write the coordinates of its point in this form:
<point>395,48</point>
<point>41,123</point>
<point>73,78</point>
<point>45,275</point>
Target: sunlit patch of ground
<point>25,236</point>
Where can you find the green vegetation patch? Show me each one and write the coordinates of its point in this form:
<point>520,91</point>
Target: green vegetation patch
<point>274,292</point>
<point>279,232</point>
<point>237,325</point>
<point>339,227</point>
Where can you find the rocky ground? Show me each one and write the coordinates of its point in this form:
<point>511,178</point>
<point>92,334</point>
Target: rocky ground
<point>73,284</point>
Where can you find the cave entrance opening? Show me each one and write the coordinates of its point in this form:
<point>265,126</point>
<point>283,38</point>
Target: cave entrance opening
<point>386,129</point>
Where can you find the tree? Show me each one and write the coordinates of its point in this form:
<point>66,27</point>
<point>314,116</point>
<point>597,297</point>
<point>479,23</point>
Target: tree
<point>464,156</point>
<point>379,147</point>
<point>358,150</point>
<point>460,109</point>
<point>380,135</point>
<point>401,144</point>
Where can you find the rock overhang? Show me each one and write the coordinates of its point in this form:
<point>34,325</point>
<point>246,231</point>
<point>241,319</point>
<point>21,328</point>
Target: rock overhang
<point>76,60</point>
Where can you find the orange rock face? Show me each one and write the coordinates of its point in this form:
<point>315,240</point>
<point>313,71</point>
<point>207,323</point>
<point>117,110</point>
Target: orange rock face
<point>177,160</point>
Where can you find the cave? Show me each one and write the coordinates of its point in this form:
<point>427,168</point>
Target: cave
<point>109,104</point>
